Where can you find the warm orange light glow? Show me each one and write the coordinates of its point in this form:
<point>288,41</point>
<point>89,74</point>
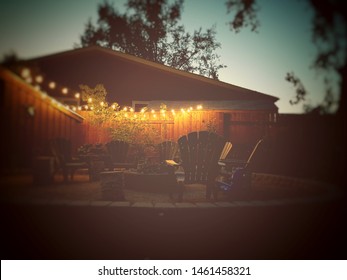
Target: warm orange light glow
<point>64,90</point>
<point>199,107</point>
<point>77,95</point>
<point>52,85</point>
<point>153,111</point>
<point>25,73</point>
<point>79,108</point>
<point>125,109</point>
<point>102,103</point>
<point>90,100</point>
<point>86,107</point>
<point>39,79</point>
<point>131,110</point>
<point>142,110</point>
<point>28,80</point>
<point>113,106</point>
<point>126,115</point>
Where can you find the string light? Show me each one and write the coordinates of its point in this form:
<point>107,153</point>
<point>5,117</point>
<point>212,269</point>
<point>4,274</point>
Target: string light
<point>39,79</point>
<point>52,85</point>
<point>28,77</point>
<point>25,73</point>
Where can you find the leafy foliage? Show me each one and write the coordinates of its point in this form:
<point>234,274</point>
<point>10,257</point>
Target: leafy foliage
<point>150,29</point>
<point>245,14</point>
<point>121,124</point>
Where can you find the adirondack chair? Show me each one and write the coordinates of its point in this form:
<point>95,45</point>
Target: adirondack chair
<point>167,150</point>
<point>237,172</point>
<point>118,151</point>
<point>199,155</point>
<point>61,151</point>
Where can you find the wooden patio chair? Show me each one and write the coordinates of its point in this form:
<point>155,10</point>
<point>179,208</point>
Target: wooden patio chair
<point>118,151</point>
<point>199,155</point>
<point>61,151</point>
<point>237,169</point>
<point>167,150</point>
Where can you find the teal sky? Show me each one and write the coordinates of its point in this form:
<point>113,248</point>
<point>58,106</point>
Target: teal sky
<point>258,61</point>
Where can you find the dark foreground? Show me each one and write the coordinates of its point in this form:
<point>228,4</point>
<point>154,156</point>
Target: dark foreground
<point>307,231</point>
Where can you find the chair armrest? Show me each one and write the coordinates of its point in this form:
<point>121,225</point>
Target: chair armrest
<point>172,162</point>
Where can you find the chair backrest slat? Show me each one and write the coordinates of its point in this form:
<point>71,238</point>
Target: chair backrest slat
<point>167,150</point>
<point>200,152</point>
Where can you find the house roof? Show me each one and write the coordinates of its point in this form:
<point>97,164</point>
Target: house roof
<point>127,78</point>
<point>221,105</point>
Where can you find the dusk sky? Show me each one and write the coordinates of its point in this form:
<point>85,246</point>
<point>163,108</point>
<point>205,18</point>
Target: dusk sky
<point>258,61</point>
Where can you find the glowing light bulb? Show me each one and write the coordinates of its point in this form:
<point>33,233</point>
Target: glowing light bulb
<point>131,110</point>
<point>52,85</point>
<point>90,100</point>
<point>64,90</point>
<point>39,79</point>
<point>113,106</point>
<point>102,103</point>
<point>153,111</point>
<point>125,109</point>
<point>25,73</point>
<point>77,95</point>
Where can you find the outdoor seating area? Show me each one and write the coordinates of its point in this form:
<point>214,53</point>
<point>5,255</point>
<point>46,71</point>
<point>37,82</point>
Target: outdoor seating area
<point>199,157</point>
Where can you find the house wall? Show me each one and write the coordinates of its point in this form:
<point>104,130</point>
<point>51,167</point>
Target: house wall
<point>29,120</point>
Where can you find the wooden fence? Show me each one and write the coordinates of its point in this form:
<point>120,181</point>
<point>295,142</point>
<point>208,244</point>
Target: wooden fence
<point>237,126</point>
<point>29,119</point>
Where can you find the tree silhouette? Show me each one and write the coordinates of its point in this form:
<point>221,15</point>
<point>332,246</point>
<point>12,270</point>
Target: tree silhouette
<point>329,34</point>
<point>150,29</point>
